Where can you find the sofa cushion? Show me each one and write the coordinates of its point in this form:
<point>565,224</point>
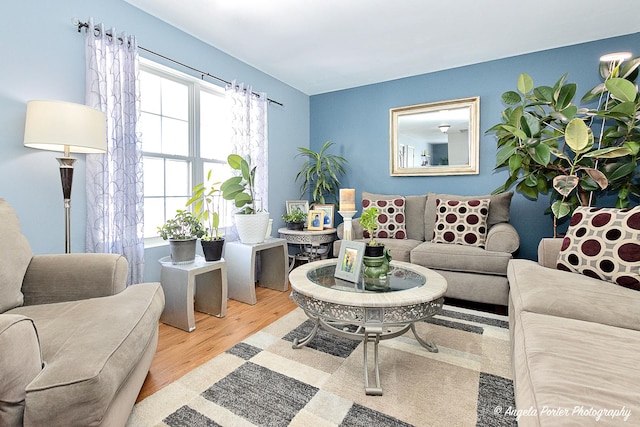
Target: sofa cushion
<point>568,372</point>
<point>461,222</point>
<point>560,293</point>
<point>414,212</point>
<point>391,217</point>
<point>467,259</point>
<point>603,243</point>
<point>20,362</point>
<point>15,254</point>
<point>89,348</point>
<point>499,209</point>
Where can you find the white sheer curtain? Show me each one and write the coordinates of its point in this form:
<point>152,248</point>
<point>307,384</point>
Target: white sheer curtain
<point>114,180</point>
<point>249,134</point>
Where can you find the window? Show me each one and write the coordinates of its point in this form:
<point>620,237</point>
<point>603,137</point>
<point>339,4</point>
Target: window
<point>184,135</point>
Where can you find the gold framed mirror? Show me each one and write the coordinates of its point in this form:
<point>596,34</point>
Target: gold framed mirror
<point>438,138</point>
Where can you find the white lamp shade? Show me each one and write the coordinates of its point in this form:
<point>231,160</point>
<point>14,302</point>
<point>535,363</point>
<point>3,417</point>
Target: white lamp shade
<point>52,125</point>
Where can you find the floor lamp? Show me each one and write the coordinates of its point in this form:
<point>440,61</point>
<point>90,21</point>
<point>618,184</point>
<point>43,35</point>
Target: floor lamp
<point>70,128</point>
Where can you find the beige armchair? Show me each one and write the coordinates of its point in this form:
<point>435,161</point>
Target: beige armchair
<point>75,343</point>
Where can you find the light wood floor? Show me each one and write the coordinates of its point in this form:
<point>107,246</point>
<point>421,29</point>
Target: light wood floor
<point>179,352</point>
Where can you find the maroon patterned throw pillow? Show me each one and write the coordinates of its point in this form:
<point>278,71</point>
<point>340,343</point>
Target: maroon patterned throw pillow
<point>603,243</point>
<point>390,218</point>
<point>461,222</point>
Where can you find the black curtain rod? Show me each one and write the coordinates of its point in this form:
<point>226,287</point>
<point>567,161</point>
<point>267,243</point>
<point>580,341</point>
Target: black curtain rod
<point>82,25</point>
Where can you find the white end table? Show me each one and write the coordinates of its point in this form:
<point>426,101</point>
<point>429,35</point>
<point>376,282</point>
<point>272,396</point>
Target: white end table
<point>179,282</point>
<point>241,261</point>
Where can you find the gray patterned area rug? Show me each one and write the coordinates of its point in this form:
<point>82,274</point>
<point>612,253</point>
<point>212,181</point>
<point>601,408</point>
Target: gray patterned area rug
<point>264,382</point>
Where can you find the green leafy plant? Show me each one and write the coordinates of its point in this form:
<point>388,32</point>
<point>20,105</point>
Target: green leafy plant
<point>241,188</point>
<point>550,144</point>
<point>320,174</point>
<point>295,216</point>
<point>369,221</point>
<point>206,207</point>
<point>183,226</point>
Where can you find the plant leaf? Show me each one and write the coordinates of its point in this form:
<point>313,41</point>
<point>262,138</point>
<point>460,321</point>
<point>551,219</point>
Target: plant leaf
<point>511,98</point>
<point>593,93</point>
<point>504,154</point>
<point>609,152</point>
<point>565,184</point>
<point>618,171</point>
<point>560,209</point>
<point>578,135</point>
<point>565,96</point>
<point>525,83</point>
<point>544,93</point>
<point>598,177</point>
<point>621,89</point>
<point>514,162</point>
<point>540,153</point>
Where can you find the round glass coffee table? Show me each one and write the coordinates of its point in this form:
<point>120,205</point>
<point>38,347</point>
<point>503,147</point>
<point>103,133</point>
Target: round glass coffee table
<point>414,294</point>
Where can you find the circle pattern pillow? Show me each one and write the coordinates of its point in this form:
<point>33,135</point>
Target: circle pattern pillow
<point>391,219</point>
<point>461,222</point>
<point>603,243</point>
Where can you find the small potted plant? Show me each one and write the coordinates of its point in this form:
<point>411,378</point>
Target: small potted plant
<point>251,224</point>
<point>206,207</point>
<point>182,231</point>
<point>295,220</point>
<point>369,221</point>
<point>376,259</point>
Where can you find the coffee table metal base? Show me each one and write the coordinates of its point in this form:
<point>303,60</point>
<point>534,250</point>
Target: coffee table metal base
<point>373,324</point>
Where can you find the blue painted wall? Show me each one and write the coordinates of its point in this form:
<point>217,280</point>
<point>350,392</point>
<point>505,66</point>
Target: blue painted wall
<point>43,58</point>
<point>357,120</point>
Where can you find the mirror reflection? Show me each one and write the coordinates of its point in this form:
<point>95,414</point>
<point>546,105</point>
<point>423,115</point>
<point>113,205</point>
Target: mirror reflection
<point>440,138</point>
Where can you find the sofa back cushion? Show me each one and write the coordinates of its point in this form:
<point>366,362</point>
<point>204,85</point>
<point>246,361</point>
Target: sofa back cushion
<point>414,212</point>
<point>603,243</point>
<point>15,255</point>
<point>499,208</point>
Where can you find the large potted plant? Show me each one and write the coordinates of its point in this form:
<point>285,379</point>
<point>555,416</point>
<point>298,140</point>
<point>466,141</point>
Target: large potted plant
<point>551,145</point>
<point>251,224</point>
<point>206,207</point>
<point>183,232</point>
<point>320,174</point>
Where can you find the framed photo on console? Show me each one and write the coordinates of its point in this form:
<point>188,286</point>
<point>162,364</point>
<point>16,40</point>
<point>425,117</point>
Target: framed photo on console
<point>294,205</point>
<point>350,261</point>
<point>328,214</point>
<point>315,219</point>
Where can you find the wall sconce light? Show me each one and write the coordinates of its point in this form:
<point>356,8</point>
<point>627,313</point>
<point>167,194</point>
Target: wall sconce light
<point>66,127</point>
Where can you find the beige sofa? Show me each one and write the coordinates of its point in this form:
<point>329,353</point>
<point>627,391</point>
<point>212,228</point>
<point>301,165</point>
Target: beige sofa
<point>476,274</point>
<point>575,345</point>
<point>75,343</point>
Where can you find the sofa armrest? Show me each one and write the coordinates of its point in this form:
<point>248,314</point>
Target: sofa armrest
<point>548,250</point>
<point>70,277</point>
<point>20,363</point>
<point>503,237</point>
<point>357,232</point>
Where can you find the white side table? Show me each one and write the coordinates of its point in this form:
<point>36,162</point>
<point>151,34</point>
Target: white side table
<point>179,282</point>
<point>241,261</point>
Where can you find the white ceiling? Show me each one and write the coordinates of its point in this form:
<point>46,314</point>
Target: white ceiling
<point>320,46</point>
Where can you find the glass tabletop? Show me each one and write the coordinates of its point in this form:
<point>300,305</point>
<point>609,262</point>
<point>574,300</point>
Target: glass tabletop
<point>399,279</point>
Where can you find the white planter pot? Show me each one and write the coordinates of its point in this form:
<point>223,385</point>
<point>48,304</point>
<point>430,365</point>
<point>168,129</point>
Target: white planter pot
<point>252,228</point>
